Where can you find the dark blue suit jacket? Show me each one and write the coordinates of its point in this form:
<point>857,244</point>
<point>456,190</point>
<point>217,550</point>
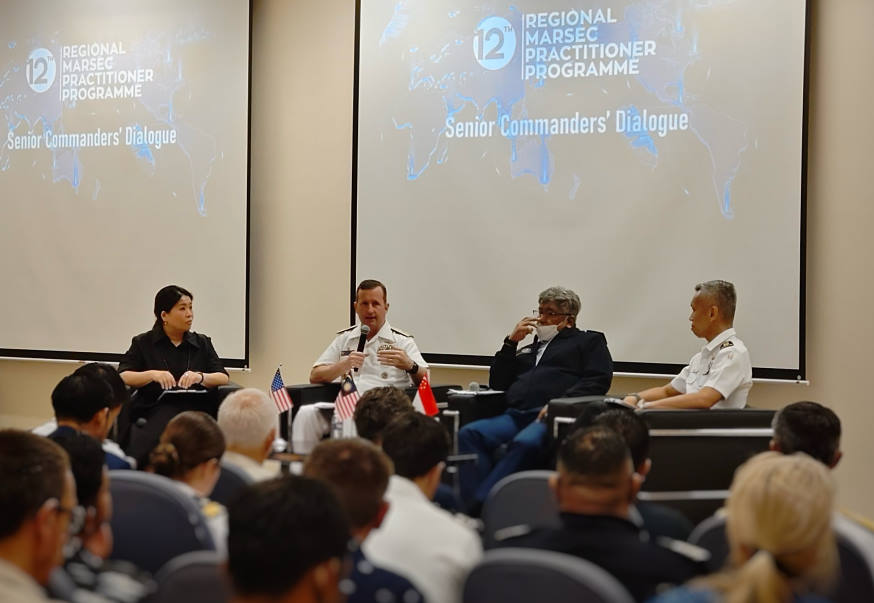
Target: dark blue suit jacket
<point>575,363</point>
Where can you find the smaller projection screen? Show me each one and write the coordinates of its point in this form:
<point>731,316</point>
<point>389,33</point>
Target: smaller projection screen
<point>624,149</point>
<point>123,168</point>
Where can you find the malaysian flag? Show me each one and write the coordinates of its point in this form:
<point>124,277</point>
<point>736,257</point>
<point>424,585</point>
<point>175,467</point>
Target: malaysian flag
<point>347,398</point>
<point>280,394</point>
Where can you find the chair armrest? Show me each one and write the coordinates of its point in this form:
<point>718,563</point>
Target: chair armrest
<point>478,406</point>
<point>568,409</point>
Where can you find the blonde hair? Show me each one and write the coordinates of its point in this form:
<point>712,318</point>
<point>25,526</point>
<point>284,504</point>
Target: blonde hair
<point>779,530</point>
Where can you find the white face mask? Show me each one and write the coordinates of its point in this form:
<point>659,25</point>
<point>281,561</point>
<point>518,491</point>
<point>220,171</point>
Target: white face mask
<point>546,332</point>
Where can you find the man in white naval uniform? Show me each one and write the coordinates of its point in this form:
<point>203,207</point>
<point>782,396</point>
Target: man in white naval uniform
<point>720,375</point>
<point>390,357</point>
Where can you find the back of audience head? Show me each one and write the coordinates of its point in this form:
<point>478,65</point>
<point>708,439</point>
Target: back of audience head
<point>109,375</point>
<point>595,473</point>
<point>287,537</point>
<point>37,501</point>
<point>357,472</point>
<point>624,421</point>
<point>808,427</point>
<point>418,446</point>
<point>247,418</point>
<point>88,463</point>
<point>190,450</point>
<point>86,401</point>
<point>779,529</point>
<point>377,408</point>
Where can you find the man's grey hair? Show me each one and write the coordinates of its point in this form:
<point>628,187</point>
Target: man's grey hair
<point>723,295</point>
<point>246,416</point>
<point>566,300</point>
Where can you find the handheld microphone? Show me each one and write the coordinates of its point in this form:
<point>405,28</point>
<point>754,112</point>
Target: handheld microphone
<point>362,339</point>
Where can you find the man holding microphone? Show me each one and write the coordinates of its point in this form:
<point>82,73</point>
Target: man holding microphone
<point>388,356</point>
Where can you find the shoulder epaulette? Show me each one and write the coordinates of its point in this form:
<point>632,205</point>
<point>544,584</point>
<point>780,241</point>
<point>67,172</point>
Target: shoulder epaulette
<point>211,509</point>
<point>399,332</point>
<point>346,330</point>
<point>726,344</point>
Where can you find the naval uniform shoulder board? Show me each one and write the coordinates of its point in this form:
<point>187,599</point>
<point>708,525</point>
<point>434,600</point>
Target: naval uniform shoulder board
<point>399,332</point>
<point>726,344</point>
<point>346,330</point>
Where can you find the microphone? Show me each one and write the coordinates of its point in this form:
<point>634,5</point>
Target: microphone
<point>473,386</point>
<point>362,339</point>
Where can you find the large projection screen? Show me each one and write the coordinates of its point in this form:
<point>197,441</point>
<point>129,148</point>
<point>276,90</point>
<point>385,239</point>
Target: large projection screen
<point>123,168</point>
<point>627,150</point>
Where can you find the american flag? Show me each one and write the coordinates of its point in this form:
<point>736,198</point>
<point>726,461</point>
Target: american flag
<point>280,394</point>
<point>347,398</point>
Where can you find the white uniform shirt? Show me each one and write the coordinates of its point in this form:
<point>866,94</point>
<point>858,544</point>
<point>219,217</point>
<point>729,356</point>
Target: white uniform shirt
<point>372,373</point>
<point>424,543</point>
<point>723,364</point>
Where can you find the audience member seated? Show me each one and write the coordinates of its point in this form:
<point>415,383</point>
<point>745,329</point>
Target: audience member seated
<point>720,375</point>
<point>86,567</point>
<point>247,418</point>
<point>287,540</point>
<point>358,472</point>
<point>595,487</point>
<point>89,401</point>
<point>562,361</point>
<point>377,408</point>
<point>417,539</point>
<point>782,548</point>
<point>38,509</point>
<point>811,428</point>
<point>657,520</point>
<point>190,452</point>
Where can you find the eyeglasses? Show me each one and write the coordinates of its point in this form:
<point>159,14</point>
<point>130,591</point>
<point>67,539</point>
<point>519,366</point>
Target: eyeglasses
<point>77,518</point>
<point>548,313</point>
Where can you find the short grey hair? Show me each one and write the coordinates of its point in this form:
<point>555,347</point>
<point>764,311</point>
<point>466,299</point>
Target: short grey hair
<point>566,300</point>
<point>246,417</point>
<point>723,295</point>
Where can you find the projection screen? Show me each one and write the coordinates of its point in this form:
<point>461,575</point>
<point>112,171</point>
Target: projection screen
<point>627,150</point>
<point>123,168</point>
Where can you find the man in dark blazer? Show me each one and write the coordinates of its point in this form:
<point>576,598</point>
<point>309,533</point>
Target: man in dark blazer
<point>562,361</point>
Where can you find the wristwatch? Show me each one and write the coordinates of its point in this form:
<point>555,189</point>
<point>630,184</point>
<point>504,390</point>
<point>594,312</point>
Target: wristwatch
<point>413,369</point>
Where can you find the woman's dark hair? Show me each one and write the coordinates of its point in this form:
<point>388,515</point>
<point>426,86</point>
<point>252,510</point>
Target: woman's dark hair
<point>166,298</point>
<point>190,438</point>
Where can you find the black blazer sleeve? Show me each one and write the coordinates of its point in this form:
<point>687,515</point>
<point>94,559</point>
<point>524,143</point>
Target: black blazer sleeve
<point>597,367</point>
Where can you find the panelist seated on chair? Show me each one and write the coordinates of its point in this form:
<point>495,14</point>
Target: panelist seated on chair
<point>595,486</point>
<point>562,361</point>
<point>169,356</point>
<point>720,375</point>
<point>390,357</point>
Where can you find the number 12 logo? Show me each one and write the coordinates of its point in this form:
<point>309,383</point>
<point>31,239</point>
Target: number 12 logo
<point>494,43</point>
<point>40,70</point>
